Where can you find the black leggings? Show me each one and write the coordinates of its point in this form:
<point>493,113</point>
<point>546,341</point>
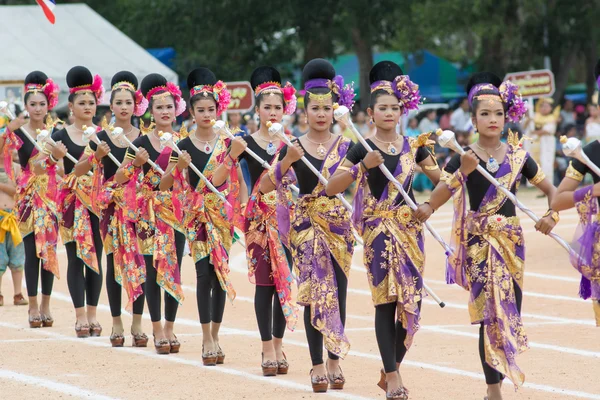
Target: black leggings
<point>492,376</point>
<point>209,294</point>
<point>32,269</point>
<point>270,318</point>
<point>85,287</point>
<point>390,336</point>
<point>153,290</point>
<point>114,291</point>
<point>314,337</point>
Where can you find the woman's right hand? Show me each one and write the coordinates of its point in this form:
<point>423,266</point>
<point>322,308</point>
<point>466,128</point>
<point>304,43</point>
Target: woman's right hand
<point>295,152</point>
<point>468,162</point>
<point>58,150</point>
<point>141,158</point>
<point>373,159</point>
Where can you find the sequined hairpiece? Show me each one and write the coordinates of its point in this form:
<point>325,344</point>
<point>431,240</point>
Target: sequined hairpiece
<point>33,88</point>
<point>478,88</point>
<point>405,90</point>
<point>382,85</point>
<point>170,89</point>
<point>123,85</point>
<point>489,97</point>
<point>268,87</point>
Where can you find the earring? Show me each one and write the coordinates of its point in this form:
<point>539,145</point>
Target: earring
<point>306,120</point>
<point>151,118</point>
<point>371,121</point>
<point>71,113</point>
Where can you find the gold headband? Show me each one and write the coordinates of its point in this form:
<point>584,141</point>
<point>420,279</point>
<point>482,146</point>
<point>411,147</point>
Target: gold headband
<point>124,85</point>
<point>387,86</point>
<point>163,94</point>
<point>319,98</point>
<point>489,97</point>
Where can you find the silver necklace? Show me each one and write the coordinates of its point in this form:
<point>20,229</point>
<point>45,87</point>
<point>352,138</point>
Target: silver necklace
<point>206,146</point>
<point>271,149</point>
<point>391,148</point>
<point>491,164</point>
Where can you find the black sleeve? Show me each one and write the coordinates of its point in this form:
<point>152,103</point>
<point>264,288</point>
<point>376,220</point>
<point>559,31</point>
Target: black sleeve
<point>453,165</point>
<point>130,155</point>
<point>174,157</point>
<point>58,135</point>
<point>422,154</point>
<point>356,153</point>
<point>282,153</point>
<point>530,169</point>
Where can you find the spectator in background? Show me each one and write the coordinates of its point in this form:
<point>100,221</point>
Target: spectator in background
<point>461,117</point>
<point>445,118</point>
<point>562,162</point>
<point>429,124</point>
<point>341,129</point>
<point>235,122</point>
<point>251,125</point>
<point>360,122</point>
<point>592,124</point>
<point>413,128</point>
<point>567,115</point>
<point>301,125</point>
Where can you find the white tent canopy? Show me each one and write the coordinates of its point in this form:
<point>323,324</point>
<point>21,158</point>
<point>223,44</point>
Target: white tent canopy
<point>80,37</point>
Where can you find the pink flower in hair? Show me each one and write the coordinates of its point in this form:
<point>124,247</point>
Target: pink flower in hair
<point>179,106</point>
<point>289,97</point>
<point>222,96</point>
<point>141,104</point>
<point>98,89</point>
<point>51,91</point>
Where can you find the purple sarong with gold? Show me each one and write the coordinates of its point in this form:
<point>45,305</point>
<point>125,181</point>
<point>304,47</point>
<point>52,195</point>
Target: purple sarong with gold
<point>489,255</point>
<point>321,232</point>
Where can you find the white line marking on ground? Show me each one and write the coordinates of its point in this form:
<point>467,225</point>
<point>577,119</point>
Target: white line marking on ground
<point>52,385</point>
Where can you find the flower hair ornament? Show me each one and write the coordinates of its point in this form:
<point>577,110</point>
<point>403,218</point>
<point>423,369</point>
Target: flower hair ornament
<point>141,103</point>
<point>288,92</point>
<point>345,93</point>
<point>218,91</point>
<point>405,90</point>
<point>517,108</point>
<point>96,88</point>
<point>50,90</point>
<point>170,89</point>
<point>507,93</point>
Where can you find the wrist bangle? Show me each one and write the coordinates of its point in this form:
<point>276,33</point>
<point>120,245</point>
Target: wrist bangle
<point>364,166</point>
<point>53,159</point>
<point>429,204</point>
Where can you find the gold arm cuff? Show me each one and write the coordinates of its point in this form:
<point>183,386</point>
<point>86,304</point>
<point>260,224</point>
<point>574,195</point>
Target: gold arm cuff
<point>540,176</point>
<point>573,173</point>
<point>431,167</point>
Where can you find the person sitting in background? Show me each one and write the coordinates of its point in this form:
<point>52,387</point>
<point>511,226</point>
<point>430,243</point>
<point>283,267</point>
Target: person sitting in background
<point>360,122</point>
<point>301,125</point>
<point>592,124</point>
<point>413,128</point>
<point>567,115</point>
<point>235,122</point>
<point>461,117</point>
<point>445,118</point>
<point>251,125</point>
<point>429,124</point>
<point>561,162</point>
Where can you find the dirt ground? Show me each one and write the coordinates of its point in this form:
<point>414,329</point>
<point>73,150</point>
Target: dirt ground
<point>442,364</point>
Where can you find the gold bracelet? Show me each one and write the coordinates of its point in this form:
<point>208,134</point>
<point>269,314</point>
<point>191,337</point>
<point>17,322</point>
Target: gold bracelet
<point>430,167</point>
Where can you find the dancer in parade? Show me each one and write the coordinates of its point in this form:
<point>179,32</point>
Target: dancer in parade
<point>36,194</point>
<point>393,236</point>
<point>489,254</point>
<point>160,243</point>
<point>584,200</point>
<point>269,261</point>
<point>124,263</point>
<point>79,226</point>
<point>320,234</point>
<point>206,219</point>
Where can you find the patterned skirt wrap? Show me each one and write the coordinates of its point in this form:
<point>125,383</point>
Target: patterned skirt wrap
<point>487,260</point>
<point>395,259</point>
<point>210,234</point>
<point>74,214</point>
<point>586,247</point>
<point>120,240</point>
<point>321,231</point>
<point>36,213</point>
<point>156,235</point>
<point>267,261</point>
